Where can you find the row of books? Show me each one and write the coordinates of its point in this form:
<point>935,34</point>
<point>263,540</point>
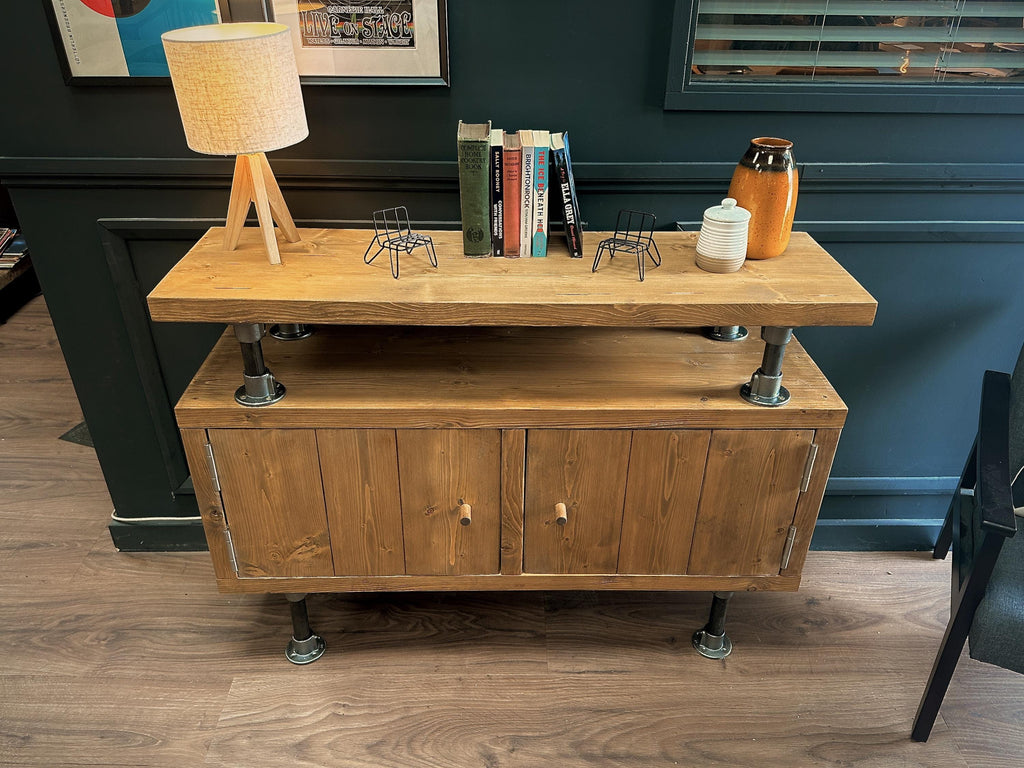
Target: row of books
<point>12,248</point>
<point>505,181</point>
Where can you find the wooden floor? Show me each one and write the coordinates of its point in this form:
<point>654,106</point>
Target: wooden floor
<point>134,660</point>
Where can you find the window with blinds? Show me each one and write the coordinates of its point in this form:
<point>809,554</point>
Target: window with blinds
<point>858,41</point>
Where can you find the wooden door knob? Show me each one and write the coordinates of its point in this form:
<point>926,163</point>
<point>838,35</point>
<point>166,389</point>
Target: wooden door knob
<point>561,514</point>
<point>465,514</point>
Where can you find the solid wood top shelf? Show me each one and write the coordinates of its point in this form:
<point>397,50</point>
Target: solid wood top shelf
<point>323,280</point>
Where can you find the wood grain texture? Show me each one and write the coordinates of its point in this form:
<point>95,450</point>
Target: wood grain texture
<point>263,212</point>
<point>666,470</point>
<point>751,487</point>
<point>278,206</point>
<point>324,280</point>
<point>210,506</point>
<point>586,471</point>
<point>809,505</point>
<point>439,470</point>
<point>513,475</point>
<point>364,509</point>
<point>498,582</point>
<point>510,378</point>
<point>110,658</point>
<point>238,204</point>
<point>273,501</point>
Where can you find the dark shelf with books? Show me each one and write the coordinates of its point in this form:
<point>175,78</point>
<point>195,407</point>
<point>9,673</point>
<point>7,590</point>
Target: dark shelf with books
<point>509,182</point>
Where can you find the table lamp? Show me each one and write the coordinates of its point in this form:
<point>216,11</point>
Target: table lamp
<point>238,92</point>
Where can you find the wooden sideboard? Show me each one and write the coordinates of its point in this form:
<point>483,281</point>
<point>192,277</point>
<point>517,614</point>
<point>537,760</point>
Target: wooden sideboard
<point>503,424</point>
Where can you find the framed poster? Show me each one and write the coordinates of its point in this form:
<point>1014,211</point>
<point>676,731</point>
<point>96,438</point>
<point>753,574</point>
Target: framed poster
<point>379,42</point>
<point>107,42</point>
<point>387,42</point>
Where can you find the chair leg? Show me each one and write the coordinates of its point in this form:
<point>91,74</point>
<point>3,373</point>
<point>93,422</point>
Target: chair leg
<point>375,255</point>
<point>945,539</point>
<point>393,254</point>
<point>956,635</point>
<point>968,479</point>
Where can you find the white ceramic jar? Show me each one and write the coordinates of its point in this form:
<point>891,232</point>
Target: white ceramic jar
<point>722,244</point>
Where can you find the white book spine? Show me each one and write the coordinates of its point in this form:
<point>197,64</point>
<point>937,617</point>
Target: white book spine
<point>526,220</point>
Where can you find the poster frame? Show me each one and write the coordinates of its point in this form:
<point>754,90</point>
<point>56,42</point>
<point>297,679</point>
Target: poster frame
<point>256,10</point>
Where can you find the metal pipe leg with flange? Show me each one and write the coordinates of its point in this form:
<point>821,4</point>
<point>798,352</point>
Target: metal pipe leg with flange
<point>765,386</point>
<point>304,647</point>
<point>712,641</point>
<point>260,387</point>
<point>726,332</point>
<point>291,331</point>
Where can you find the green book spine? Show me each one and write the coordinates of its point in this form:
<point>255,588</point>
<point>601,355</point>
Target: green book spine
<point>474,189</point>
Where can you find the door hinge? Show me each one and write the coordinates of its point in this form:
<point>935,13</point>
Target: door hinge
<point>211,463</point>
<point>788,551</point>
<point>231,550</point>
<point>805,481</point>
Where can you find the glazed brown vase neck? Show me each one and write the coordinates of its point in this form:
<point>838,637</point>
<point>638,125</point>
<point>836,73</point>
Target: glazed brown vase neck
<point>774,157</point>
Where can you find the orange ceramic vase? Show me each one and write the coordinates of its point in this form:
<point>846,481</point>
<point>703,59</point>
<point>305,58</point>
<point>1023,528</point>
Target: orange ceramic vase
<point>765,183</point>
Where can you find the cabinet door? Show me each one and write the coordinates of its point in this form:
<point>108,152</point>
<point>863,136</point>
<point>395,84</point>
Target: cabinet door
<point>751,488</point>
<point>360,475</point>
<point>273,501</point>
<point>586,471</point>
<point>666,469</point>
<point>439,471</point>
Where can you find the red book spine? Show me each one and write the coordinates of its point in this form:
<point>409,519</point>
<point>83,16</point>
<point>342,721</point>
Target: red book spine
<point>513,160</point>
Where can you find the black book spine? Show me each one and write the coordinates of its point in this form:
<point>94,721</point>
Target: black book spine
<point>570,216</point>
<point>497,200</point>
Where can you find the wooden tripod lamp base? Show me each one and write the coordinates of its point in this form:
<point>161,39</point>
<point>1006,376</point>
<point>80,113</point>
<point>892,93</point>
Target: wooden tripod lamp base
<point>254,182</point>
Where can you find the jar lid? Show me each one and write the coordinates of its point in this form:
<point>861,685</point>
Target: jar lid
<point>728,211</point>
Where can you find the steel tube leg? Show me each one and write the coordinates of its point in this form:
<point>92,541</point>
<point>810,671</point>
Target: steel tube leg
<point>260,387</point>
<point>765,386</point>
<point>291,331</point>
<point>712,641</point>
<point>304,647</point>
<point>726,332</point>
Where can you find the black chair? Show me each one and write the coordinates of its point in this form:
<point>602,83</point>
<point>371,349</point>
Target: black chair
<point>393,232</point>
<point>634,233</point>
<point>987,600</point>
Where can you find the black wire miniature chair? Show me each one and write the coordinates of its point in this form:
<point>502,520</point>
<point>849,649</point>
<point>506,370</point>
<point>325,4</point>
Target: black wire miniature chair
<point>393,232</point>
<point>634,233</point>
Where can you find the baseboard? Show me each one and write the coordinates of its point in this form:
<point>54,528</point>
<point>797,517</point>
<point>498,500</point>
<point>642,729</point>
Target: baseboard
<point>186,536</point>
<point>875,534</point>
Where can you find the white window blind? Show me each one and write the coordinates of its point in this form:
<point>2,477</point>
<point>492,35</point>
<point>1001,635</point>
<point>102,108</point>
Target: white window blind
<point>911,41</point>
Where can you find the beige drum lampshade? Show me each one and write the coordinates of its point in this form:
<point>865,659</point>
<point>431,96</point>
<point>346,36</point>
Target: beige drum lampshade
<point>237,87</point>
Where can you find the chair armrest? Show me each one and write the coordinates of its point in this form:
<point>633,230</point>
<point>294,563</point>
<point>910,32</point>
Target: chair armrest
<point>995,502</point>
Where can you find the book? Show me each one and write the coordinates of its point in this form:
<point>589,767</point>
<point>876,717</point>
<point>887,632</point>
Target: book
<point>526,193</point>
<point>513,168</point>
<point>542,143</point>
<point>474,141</point>
<point>565,193</point>
<point>497,181</point>
<point>13,252</point>
<point>6,235</point>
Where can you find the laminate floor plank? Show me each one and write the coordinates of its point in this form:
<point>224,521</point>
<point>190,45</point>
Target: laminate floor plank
<point>107,720</point>
<point>358,719</point>
<point>441,632</point>
<point>135,659</point>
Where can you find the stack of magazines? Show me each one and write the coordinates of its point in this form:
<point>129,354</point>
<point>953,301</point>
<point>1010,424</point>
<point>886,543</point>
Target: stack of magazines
<point>12,248</point>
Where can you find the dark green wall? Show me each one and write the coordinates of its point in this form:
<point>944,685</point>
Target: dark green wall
<point>110,196</point>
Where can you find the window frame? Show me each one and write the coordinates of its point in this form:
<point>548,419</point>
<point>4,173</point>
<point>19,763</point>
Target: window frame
<point>681,94</point>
